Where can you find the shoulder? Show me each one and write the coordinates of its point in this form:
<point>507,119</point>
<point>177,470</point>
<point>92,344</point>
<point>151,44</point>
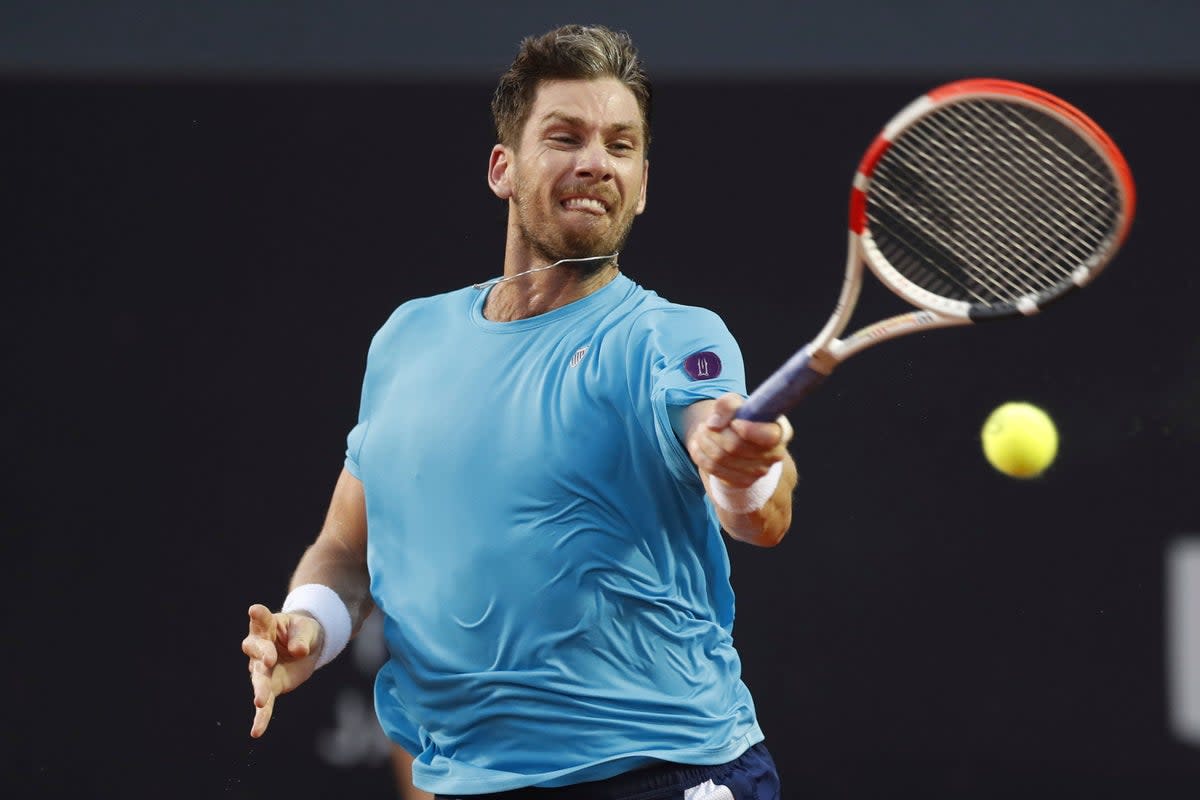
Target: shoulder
<point>424,310</point>
<point>664,337</point>
<point>669,326</point>
<point>650,312</point>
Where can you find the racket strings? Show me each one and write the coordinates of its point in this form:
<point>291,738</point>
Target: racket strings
<point>990,274</point>
<point>1074,198</point>
<point>1030,221</point>
<point>994,246</point>
<point>915,251</point>
<point>1015,236</point>
<point>991,201</point>
<point>1015,196</point>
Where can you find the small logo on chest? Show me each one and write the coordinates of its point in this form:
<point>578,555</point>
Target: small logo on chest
<point>578,355</point>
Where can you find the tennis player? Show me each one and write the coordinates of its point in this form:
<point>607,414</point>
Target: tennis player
<point>535,492</point>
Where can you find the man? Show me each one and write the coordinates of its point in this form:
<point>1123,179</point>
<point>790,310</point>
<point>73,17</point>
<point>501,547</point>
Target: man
<point>535,491</point>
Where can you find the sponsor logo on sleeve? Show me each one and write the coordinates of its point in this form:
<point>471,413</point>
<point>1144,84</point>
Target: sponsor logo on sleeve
<point>702,366</point>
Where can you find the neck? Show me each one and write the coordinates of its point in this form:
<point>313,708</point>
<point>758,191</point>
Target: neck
<point>541,289</point>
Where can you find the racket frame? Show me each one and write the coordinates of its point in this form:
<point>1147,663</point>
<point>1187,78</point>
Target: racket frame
<point>809,366</point>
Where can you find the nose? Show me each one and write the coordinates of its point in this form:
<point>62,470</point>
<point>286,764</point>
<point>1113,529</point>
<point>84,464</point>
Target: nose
<point>594,162</point>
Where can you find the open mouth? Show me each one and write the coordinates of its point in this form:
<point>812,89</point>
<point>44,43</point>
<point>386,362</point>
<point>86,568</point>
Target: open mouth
<point>590,205</point>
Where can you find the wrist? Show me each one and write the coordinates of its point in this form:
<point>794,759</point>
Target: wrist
<point>745,500</point>
<point>330,612</point>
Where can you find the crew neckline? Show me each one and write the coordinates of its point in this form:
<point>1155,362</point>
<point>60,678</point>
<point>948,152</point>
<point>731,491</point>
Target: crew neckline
<point>562,312</point>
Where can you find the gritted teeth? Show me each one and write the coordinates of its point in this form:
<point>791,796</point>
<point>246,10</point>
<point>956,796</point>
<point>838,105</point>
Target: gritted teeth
<point>586,204</point>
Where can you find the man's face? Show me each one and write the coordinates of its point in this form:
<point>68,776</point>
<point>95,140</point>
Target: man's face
<point>578,177</point>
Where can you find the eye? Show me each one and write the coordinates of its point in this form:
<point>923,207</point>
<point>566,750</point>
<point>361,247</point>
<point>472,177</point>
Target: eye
<point>562,138</point>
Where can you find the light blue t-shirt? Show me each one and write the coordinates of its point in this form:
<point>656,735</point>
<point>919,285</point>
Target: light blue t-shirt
<point>554,582</point>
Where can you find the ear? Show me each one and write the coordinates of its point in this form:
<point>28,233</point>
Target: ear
<point>641,206</point>
<point>498,177</point>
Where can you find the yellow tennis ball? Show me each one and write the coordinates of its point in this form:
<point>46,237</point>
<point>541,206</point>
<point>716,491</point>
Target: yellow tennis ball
<point>1020,439</point>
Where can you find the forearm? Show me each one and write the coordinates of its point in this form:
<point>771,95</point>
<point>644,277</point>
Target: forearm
<point>338,557</point>
<point>331,563</point>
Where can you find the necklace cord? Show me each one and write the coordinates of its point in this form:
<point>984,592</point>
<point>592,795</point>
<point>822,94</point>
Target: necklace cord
<point>494,281</point>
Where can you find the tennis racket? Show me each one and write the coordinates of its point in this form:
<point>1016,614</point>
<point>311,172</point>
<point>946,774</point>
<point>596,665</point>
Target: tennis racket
<point>983,199</point>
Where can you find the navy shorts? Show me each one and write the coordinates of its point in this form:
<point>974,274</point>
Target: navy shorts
<point>750,777</point>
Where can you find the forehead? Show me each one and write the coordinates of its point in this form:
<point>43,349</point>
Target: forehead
<point>602,102</point>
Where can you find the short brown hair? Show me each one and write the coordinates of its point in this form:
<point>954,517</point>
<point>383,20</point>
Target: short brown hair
<point>571,52</point>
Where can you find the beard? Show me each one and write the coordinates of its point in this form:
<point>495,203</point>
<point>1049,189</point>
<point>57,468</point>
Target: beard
<point>554,242</point>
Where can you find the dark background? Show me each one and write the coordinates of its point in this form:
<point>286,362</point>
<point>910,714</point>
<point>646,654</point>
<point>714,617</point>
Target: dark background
<point>193,265</point>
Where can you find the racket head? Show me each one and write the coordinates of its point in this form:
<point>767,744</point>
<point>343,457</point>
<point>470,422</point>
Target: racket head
<point>987,198</point>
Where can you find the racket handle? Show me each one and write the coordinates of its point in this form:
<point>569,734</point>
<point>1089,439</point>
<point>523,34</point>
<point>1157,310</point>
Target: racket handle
<point>781,392</point>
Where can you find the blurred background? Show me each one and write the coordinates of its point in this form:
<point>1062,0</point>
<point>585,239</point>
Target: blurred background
<point>208,209</point>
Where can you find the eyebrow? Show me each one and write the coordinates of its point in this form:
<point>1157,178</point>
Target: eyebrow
<point>559,116</point>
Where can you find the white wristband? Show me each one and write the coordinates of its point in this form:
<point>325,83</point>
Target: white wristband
<point>328,609</point>
<point>752,498</point>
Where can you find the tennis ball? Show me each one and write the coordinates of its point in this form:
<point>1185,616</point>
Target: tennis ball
<point>1019,439</point>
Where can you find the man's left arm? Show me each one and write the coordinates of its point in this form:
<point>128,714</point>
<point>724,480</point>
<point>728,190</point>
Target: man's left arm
<point>746,468</point>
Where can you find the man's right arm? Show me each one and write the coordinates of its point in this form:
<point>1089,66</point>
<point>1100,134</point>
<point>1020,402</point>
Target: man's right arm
<point>338,557</point>
<point>286,647</point>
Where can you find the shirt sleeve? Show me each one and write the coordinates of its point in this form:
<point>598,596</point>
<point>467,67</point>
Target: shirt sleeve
<point>376,353</point>
<point>694,357</point>
<point>354,443</point>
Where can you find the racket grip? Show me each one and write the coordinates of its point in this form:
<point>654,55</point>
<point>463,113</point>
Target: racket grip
<point>782,391</point>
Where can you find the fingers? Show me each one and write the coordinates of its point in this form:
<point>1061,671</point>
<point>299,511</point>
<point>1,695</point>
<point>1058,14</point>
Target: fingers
<point>261,620</point>
<point>259,646</point>
<point>786,432</point>
<point>303,631</point>
<point>261,682</point>
<point>763,434</point>
<point>726,456</point>
<point>736,450</point>
<point>281,648</point>
<point>262,717</point>
<point>777,433</point>
<point>723,410</point>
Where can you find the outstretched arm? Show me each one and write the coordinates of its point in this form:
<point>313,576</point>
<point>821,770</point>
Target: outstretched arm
<point>734,457</point>
<point>286,647</point>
